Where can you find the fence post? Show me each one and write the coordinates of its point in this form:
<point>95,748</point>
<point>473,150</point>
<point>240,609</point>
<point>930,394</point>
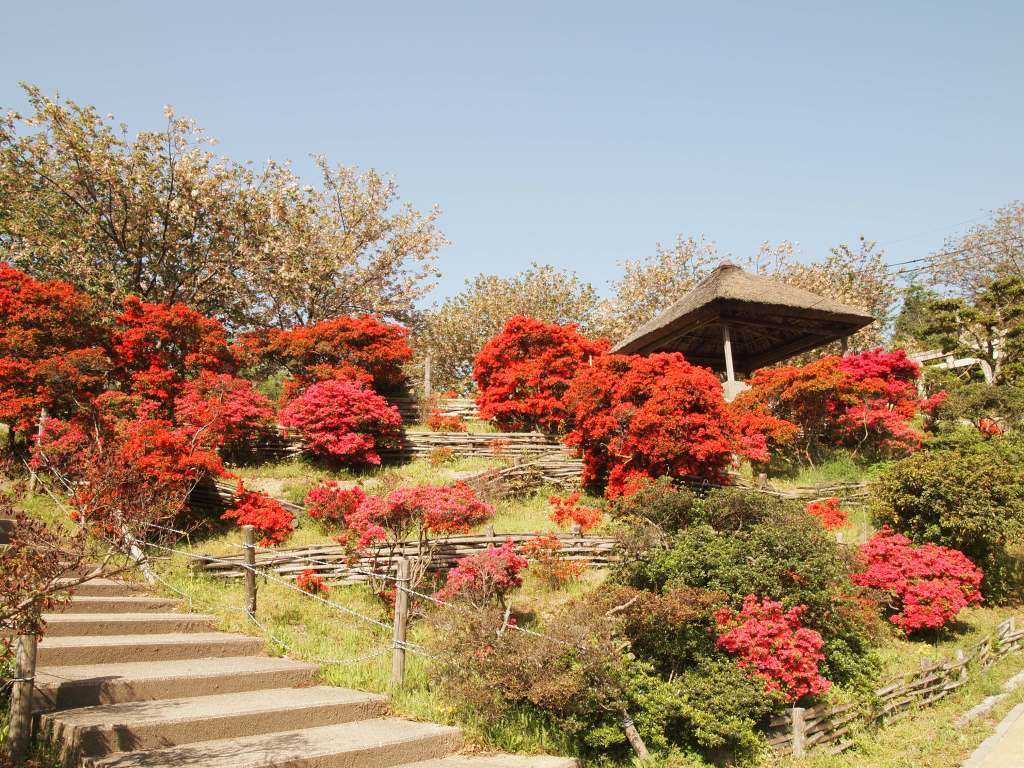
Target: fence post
<point>427,384</point>
<point>401,621</point>
<point>961,659</point>
<point>20,730</point>
<point>633,736</point>
<point>799,728</point>
<point>249,549</point>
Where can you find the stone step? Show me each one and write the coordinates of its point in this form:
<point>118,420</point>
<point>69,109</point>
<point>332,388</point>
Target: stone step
<point>68,651</point>
<point>91,684</point>
<point>104,588</point>
<point>496,761</point>
<point>102,624</point>
<point>379,743</point>
<point>116,604</point>
<point>148,725</point>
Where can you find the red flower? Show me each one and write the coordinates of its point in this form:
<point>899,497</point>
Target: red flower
<point>829,513</point>
<point>485,577</point>
<point>773,645</point>
<point>928,585</point>
<point>566,510</point>
<point>273,522</point>
<point>309,581</point>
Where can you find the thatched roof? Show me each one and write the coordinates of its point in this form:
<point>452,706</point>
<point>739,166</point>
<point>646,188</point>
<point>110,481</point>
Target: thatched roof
<point>768,321</point>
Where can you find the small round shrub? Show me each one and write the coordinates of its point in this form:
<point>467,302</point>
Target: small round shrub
<point>343,421</point>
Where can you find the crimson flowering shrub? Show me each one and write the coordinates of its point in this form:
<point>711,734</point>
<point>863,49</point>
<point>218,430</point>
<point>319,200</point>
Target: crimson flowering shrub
<point>646,417</point>
<point>362,348</point>
<point>485,578</point>
<point>439,422</point>
<point>762,435</point>
<point>331,504</point>
<point>567,510</point>
<point>927,585</point>
<point>524,372</point>
<point>549,563</point>
<point>828,511</point>
<point>273,522</point>
<point>379,526</point>
<point>158,346</point>
<point>310,581</point>
<point>52,354</point>
<point>989,427</point>
<point>227,407</point>
<point>864,401</point>
<point>774,645</point>
<point>343,421</point>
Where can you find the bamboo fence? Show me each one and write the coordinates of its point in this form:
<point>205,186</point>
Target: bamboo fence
<point>830,727</point>
<point>556,469</point>
<point>339,566</point>
<point>414,445</point>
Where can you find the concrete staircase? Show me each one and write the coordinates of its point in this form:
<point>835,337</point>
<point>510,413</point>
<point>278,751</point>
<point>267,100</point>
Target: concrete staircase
<point>124,681</point>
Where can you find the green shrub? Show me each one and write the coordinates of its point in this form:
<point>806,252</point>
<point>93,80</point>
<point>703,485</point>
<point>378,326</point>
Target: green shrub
<point>1003,403</point>
<point>968,496</point>
<point>770,549</point>
<point>660,503</point>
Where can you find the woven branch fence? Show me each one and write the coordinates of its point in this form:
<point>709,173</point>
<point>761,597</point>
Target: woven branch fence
<point>337,565</point>
<point>799,729</point>
<point>421,444</point>
<point>553,469</point>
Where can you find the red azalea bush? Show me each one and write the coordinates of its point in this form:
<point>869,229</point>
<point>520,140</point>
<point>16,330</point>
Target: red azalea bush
<point>51,349</point>
<point>830,514</point>
<point>363,348</point>
<point>524,372</point>
<point>332,504</point>
<point>486,577</point>
<point>310,581</point>
<point>344,421</point>
<point>761,435</point>
<point>440,422</point>
<point>273,522</point>
<point>927,585</point>
<point>647,417</point>
<point>414,512</point>
<point>566,510</point>
<point>158,346</point>
<point>775,646</point>
<point>550,565</point>
<point>227,407</point>
<point>865,402</point>
<point>989,427</point>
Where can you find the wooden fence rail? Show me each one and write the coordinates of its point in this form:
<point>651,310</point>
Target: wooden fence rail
<point>796,730</point>
<point>338,566</point>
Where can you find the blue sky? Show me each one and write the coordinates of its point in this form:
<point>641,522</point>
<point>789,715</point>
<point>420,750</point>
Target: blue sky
<point>582,133</point>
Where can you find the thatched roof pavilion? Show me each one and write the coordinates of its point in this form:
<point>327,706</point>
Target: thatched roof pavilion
<point>734,320</point>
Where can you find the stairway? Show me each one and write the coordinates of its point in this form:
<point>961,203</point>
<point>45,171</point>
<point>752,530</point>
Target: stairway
<point>125,681</point>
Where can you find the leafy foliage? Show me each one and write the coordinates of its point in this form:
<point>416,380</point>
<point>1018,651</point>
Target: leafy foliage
<point>158,346</point>
<point>273,522</point>
<point>524,372</point>
<point>968,496</point>
<point>227,407</point>
<point>646,417</point>
<point>361,348</point>
<point>310,581</point>
<point>158,215</point>
<point>454,333</point>
<point>775,646</point>
<point>567,509</point>
<point>828,511</point>
<point>548,561</point>
<point>864,401</point>
<point>485,578</point>
<point>52,353</point>
<point>331,504</point>
<point>343,421</point>
<point>439,422</point>
<point>927,585</point>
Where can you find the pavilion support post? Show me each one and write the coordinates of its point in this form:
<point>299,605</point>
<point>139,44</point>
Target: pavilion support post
<point>730,371</point>
<point>845,344</point>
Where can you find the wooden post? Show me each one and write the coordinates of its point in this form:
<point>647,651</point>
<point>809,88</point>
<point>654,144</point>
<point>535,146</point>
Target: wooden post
<point>844,343</point>
<point>427,386</point>
<point>20,731</point>
<point>799,728</point>
<point>634,738</point>
<point>730,372</point>
<point>961,657</point>
<point>32,479</point>
<point>401,621</point>
<point>762,480</point>
<point>249,541</point>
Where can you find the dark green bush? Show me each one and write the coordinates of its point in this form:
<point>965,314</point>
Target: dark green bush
<point>968,496</point>
<point>972,402</point>
<point>660,503</point>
